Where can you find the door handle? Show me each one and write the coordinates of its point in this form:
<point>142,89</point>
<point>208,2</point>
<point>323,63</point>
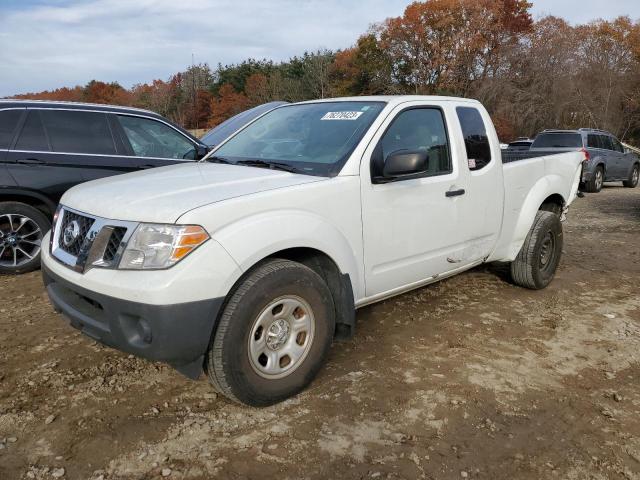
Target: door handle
<point>454,193</point>
<point>31,161</point>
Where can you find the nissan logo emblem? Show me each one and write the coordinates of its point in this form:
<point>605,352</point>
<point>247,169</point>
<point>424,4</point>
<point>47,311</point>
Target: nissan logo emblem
<point>71,233</point>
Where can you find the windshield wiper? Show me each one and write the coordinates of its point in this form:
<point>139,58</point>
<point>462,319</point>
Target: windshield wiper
<point>215,159</point>
<point>273,165</point>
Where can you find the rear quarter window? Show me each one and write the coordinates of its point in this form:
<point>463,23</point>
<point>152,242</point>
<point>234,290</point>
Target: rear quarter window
<point>558,140</point>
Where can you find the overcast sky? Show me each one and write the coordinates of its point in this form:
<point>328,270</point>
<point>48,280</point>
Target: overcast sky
<point>45,44</point>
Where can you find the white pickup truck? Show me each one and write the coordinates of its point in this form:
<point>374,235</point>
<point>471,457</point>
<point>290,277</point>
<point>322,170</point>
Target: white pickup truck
<point>248,264</point>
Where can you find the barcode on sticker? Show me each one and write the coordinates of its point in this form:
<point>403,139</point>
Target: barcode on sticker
<point>341,116</point>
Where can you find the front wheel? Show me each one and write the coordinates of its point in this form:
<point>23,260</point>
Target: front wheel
<point>536,264</point>
<point>21,230</point>
<point>273,336</point>
<point>632,181</point>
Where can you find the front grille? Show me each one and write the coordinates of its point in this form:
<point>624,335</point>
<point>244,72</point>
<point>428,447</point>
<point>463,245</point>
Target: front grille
<point>73,232</point>
<point>114,244</point>
<point>90,241</point>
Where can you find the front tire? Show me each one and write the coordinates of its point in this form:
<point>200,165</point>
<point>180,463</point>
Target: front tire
<point>536,264</point>
<point>273,336</point>
<point>632,181</point>
<point>21,230</point>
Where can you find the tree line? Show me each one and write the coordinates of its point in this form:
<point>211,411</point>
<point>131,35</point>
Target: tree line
<point>530,74</point>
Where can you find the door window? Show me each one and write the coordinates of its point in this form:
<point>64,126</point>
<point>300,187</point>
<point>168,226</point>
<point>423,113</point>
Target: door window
<point>617,146</point>
<point>8,123</point>
<point>592,141</point>
<point>78,132</point>
<point>476,140</point>
<point>32,137</point>
<point>150,138</point>
<point>605,142</point>
<point>418,129</point>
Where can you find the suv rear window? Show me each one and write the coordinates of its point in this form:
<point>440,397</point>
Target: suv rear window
<point>8,123</point>
<point>558,140</point>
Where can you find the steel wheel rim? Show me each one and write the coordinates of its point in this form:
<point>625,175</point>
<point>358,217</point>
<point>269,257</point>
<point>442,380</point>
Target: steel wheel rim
<point>635,175</point>
<point>547,250</point>
<point>281,337</point>
<point>599,178</point>
<point>20,240</point>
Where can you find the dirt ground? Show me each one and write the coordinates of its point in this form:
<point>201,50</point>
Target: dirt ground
<point>469,378</point>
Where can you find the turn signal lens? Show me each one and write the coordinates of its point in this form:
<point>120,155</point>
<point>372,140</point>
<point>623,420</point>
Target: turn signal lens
<point>189,239</point>
<point>154,246</point>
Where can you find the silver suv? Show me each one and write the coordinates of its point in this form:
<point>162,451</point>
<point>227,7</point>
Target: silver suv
<point>606,158</point>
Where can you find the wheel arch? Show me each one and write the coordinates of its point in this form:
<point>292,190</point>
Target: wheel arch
<point>546,193</point>
<point>35,199</point>
<point>305,238</point>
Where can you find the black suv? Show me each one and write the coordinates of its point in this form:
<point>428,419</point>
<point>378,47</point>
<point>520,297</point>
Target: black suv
<point>48,147</point>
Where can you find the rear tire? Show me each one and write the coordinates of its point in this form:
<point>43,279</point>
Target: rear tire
<point>632,181</point>
<point>273,336</point>
<point>21,230</point>
<point>594,185</point>
<point>536,264</point>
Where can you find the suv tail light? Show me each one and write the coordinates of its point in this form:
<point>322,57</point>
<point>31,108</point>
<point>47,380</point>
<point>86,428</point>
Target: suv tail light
<point>587,155</point>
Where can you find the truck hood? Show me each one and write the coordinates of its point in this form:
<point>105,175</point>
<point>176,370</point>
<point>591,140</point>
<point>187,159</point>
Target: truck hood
<point>162,195</point>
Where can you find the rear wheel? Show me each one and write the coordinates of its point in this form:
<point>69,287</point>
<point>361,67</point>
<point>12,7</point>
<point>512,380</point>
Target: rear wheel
<point>597,179</point>
<point>632,181</point>
<point>21,230</point>
<point>273,336</point>
<point>536,264</point>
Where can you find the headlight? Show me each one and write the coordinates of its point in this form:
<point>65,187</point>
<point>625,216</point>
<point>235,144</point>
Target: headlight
<point>161,246</point>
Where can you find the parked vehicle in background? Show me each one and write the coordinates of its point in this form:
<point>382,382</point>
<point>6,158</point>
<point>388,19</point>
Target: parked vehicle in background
<point>606,158</point>
<point>221,132</point>
<point>48,147</point>
<point>248,264</point>
<point>522,144</point>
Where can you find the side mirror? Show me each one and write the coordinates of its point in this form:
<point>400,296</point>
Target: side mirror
<point>404,163</point>
<point>201,151</point>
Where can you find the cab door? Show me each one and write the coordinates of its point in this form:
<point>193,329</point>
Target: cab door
<point>413,229</point>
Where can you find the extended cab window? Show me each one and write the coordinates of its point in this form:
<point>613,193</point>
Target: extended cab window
<point>8,123</point>
<point>32,137</point>
<point>476,140</point>
<point>417,129</point>
<point>150,138</point>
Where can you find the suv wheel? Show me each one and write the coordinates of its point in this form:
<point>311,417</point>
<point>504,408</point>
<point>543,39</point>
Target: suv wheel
<point>536,264</point>
<point>632,181</point>
<point>273,336</point>
<point>21,230</point>
<point>597,179</point>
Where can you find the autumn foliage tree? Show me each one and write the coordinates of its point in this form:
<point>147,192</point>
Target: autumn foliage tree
<point>530,75</point>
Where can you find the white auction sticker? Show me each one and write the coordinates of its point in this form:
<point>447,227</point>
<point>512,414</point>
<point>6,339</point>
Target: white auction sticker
<point>341,115</point>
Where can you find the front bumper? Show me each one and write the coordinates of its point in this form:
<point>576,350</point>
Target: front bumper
<point>177,334</point>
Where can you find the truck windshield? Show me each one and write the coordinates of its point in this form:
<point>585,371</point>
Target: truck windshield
<point>558,140</point>
<point>312,138</point>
